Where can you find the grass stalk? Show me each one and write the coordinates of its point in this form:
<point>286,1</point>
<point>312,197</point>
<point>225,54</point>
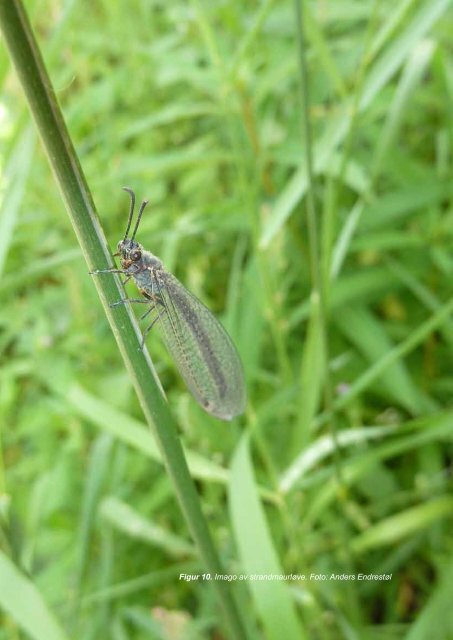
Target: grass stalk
<point>318,289</point>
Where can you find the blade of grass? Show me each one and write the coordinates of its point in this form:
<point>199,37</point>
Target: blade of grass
<point>350,288</point>
<point>36,84</point>
<point>324,447</point>
<point>97,468</point>
<point>317,347</point>
<point>311,377</point>
<point>394,20</point>
<point>367,334</point>
<point>250,35</point>
<point>15,176</point>
<point>411,76</point>
<point>429,12</point>
<point>421,292</point>
<point>37,269</point>
<point>399,526</point>
<point>123,518</point>
<point>322,52</point>
<point>437,608</point>
<point>23,601</point>
<point>156,578</point>
<point>257,551</point>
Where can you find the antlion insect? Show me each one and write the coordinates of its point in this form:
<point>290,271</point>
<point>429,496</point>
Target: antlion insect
<point>201,348</point>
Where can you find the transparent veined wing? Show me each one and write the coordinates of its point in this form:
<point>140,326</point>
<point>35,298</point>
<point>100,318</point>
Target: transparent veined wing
<point>201,348</point>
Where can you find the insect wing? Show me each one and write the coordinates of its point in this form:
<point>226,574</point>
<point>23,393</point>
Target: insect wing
<point>201,348</point>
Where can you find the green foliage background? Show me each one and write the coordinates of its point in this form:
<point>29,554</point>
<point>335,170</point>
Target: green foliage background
<point>345,469</point>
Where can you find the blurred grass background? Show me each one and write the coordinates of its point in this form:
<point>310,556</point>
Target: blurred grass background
<point>347,468</point>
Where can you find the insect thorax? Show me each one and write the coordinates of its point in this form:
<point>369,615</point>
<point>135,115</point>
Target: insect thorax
<point>145,270</point>
<point>150,260</point>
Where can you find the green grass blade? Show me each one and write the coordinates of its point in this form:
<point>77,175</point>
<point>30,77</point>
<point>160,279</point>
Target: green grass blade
<point>397,527</point>
<point>389,62</point>
<point>34,272</point>
<point>15,175</point>
<point>394,20</point>
<point>324,447</point>
<point>257,551</point>
<point>97,470</point>
<point>21,599</point>
<point>438,608</point>
<point>322,52</point>
<point>296,187</point>
<point>124,518</point>
<point>312,376</point>
<point>363,330</point>
<point>411,76</point>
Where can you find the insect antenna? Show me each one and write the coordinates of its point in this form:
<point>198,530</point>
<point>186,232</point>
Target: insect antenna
<point>131,212</point>
<point>142,208</point>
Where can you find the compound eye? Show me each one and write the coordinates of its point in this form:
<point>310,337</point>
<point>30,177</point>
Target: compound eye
<point>136,255</point>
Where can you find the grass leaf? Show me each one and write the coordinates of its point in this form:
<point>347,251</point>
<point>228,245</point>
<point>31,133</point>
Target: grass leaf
<point>22,600</point>
<point>257,552</point>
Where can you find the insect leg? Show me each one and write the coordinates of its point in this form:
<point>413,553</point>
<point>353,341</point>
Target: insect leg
<point>126,300</point>
<point>98,271</point>
<point>154,302</point>
<point>152,308</point>
<point>148,329</point>
<point>154,299</point>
